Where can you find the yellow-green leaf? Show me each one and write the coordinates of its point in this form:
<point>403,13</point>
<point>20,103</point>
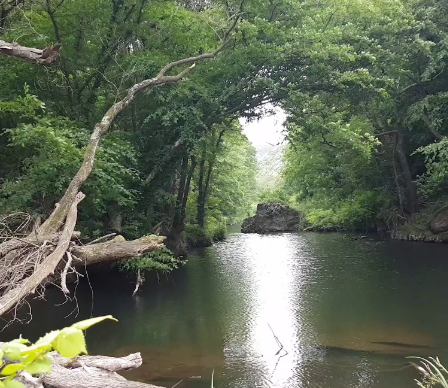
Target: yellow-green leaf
<point>21,340</point>
<point>11,369</point>
<point>41,365</point>
<point>35,351</point>
<point>70,342</point>
<point>48,338</point>
<point>13,350</point>
<point>13,384</point>
<point>83,325</point>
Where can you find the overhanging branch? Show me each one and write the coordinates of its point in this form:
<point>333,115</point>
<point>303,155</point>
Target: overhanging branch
<point>46,57</point>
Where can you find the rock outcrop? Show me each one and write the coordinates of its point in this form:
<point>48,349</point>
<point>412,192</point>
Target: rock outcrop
<point>273,218</point>
<point>440,223</point>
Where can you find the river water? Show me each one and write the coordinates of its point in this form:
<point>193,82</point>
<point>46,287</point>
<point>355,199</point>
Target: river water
<point>286,310</point>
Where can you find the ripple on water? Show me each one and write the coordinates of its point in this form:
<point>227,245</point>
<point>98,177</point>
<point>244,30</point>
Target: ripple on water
<point>343,314</point>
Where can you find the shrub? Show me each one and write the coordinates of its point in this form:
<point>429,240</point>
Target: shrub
<point>197,236</point>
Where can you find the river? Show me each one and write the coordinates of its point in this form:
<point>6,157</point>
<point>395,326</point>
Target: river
<point>286,310</point>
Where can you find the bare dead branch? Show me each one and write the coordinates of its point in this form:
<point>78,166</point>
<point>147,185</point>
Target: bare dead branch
<point>46,56</point>
<point>30,283</point>
<point>64,273</point>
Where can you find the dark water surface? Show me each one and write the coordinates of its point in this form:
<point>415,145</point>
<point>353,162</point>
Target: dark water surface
<point>346,312</point>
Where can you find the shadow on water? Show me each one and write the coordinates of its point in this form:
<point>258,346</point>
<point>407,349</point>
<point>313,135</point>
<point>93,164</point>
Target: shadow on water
<point>346,313</point>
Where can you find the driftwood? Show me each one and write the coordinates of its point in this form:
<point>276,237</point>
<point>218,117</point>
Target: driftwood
<point>46,56</point>
<point>86,372</point>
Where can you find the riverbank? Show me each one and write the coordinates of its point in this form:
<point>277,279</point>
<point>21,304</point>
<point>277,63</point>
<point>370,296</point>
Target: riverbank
<point>428,225</point>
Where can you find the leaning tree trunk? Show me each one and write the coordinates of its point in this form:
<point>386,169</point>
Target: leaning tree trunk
<point>37,264</point>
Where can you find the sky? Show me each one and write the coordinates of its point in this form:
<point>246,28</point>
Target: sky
<point>266,131</point>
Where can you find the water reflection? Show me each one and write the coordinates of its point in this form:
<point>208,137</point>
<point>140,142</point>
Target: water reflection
<point>275,284</point>
<point>346,312</point>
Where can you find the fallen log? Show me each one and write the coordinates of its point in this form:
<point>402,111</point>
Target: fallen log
<point>117,250</point>
<point>86,372</point>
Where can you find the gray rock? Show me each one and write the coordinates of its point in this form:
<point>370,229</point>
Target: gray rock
<point>273,218</point>
<point>440,223</point>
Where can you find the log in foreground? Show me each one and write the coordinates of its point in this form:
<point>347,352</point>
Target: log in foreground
<point>87,372</point>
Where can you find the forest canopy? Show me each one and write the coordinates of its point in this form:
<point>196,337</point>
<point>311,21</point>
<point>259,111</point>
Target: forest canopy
<point>363,85</point>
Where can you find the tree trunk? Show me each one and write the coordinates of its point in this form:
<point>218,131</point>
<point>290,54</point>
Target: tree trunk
<point>180,195</point>
<point>411,187</point>
<point>200,217</point>
<point>187,185</point>
<point>204,184</point>
<point>115,218</point>
<point>175,241</point>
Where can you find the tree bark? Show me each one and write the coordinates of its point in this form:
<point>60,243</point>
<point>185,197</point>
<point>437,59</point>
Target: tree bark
<point>46,57</point>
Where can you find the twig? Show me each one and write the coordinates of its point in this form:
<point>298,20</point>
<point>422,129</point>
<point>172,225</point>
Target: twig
<point>278,342</point>
<point>278,352</point>
<point>175,385</point>
<point>139,282</point>
<point>64,273</point>
<point>102,238</point>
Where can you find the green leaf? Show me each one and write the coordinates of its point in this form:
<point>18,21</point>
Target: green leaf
<point>42,365</point>
<point>70,342</point>
<point>21,340</point>
<point>13,350</point>
<point>83,325</point>
<point>13,384</point>
<point>11,369</point>
<point>35,351</point>
<point>48,338</point>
